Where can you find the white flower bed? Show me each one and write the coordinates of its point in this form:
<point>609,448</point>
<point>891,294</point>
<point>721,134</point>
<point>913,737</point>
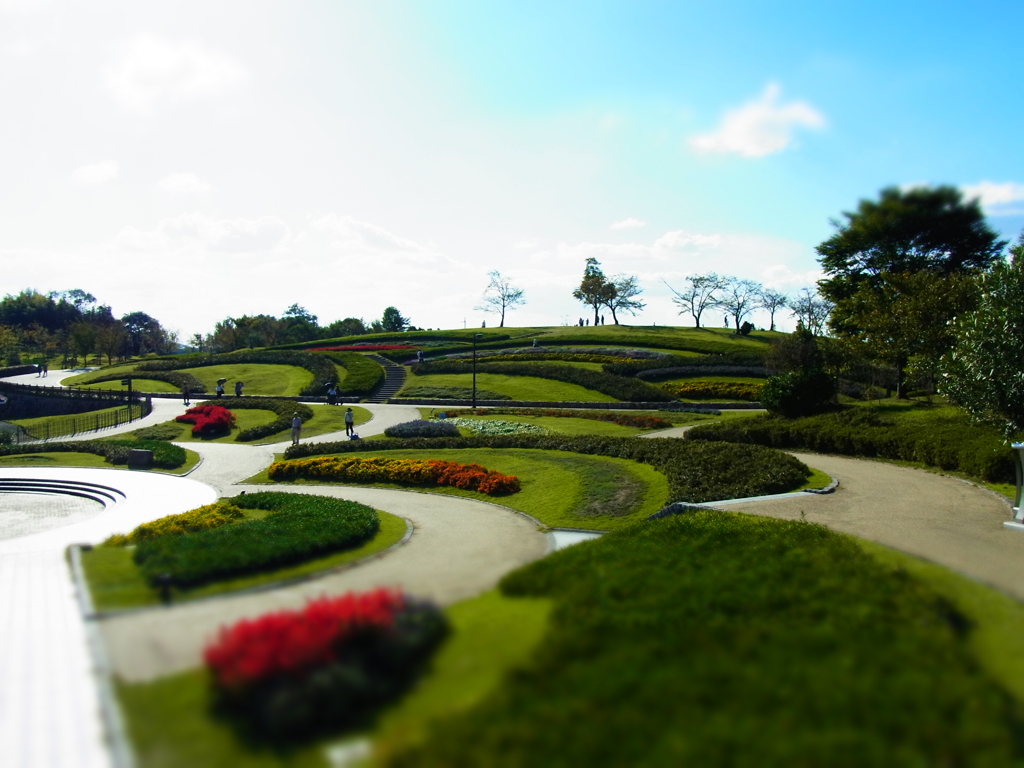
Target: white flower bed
<point>498,427</point>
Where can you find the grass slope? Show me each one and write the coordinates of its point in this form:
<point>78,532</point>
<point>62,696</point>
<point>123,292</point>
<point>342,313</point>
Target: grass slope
<point>516,387</point>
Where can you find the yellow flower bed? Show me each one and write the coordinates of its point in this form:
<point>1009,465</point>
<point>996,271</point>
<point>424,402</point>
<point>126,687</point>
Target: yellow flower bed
<point>703,390</point>
<point>210,516</point>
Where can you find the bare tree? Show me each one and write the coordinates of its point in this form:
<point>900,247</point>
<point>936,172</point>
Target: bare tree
<point>739,298</point>
<point>773,301</point>
<point>812,311</point>
<point>624,290</point>
<point>698,295</point>
<point>500,296</point>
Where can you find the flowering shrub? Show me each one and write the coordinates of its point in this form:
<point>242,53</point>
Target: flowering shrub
<point>421,428</point>
<point>699,390</point>
<point>497,427</point>
<point>208,420</point>
<point>622,419</point>
<point>201,519</point>
<point>293,674</point>
<point>378,469</point>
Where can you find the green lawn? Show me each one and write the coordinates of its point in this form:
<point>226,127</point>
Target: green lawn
<point>115,581</point>
<point>562,490</point>
<point>260,379</point>
<point>138,385</point>
<point>88,460</point>
<point>516,387</point>
<point>325,419</point>
<point>85,378</point>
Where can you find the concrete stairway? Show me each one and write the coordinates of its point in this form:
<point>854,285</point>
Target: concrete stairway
<point>394,380</point>
<point>101,493</point>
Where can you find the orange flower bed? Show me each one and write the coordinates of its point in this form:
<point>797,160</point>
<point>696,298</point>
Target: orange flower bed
<point>472,477</point>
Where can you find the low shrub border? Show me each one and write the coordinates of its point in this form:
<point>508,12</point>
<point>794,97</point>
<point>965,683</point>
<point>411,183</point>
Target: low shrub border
<point>499,427</point>
<point>283,408</point>
<point>622,419</point>
<point>619,387</point>
<point>299,528</point>
<point>696,471</point>
<point>293,675</point>
<point>950,443</point>
<point>706,362</point>
<point>422,428</point>
<point>204,518</point>
<point>165,455</point>
<point>469,477</point>
<point>705,390</point>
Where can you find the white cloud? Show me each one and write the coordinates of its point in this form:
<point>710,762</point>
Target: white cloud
<point>997,199</point>
<point>197,232</point>
<point>759,127</point>
<point>355,236</point>
<point>185,184</point>
<point>96,173</point>
<point>153,71</point>
<point>630,223</point>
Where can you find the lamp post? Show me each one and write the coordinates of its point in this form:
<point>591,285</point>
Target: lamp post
<point>475,337</point>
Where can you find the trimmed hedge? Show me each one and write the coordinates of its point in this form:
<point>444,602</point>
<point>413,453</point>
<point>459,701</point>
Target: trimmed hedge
<point>947,442</point>
<point>717,639</point>
<point>201,519</point>
<point>18,370</point>
<point>165,455</point>
<point>711,390</point>
<point>294,675</point>
<point>175,378</point>
<point>323,371</point>
<point>619,387</point>
<point>362,374</point>
<point>682,371</point>
<point>731,359</point>
<point>622,419</point>
<point>300,527</point>
<point>696,471</point>
<point>283,408</point>
<point>421,428</point>
<point>451,393</point>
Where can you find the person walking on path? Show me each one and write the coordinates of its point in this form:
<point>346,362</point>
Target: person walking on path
<point>332,395</point>
<point>238,388</point>
<point>46,368</point>
<point>219,389</point>
<point>350,421</point>
<point>296,428</point>
<point>185,394</point>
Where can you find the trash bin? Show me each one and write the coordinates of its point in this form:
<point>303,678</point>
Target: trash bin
<point>139,457</point>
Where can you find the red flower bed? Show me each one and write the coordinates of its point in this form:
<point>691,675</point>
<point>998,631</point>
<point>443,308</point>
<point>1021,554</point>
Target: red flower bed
<point>290,642</point>
<point>207,420</point>
<point>362,348</point>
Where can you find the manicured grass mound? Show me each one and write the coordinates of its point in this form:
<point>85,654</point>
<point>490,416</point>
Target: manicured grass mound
<point>422,428</point>
<point>939,437</point>
<point>468,477</point>
<point>176,379</point>
<point>709,390</point>
<point>619,387</point>
<point>719,639</point>
<point>696,471</point>
<point>362,374</point>
<point>208,420</point>
<point>201,519</point>
<point>165,455</point>
<point>612,417</point>
<point>299,527</point>
<point>293,675</point>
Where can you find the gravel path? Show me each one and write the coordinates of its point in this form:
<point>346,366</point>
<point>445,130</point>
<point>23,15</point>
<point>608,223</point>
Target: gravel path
<point>460,548</point>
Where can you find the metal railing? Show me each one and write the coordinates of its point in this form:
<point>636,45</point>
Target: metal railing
<point>79,423</point>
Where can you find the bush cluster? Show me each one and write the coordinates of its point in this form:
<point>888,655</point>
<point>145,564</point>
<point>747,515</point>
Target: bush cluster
<point>622,419</point>
<point>797,394</point>
<point>422,428</point>
<point>715,639</point>
<point>947,442</point>
<point>283,408</point>
<point>324,373</point>
<point>696,471</point>
<point>292,675</point>
<point>362,375</point>
<point>707,390</point>
<point>165,455</point>
<point>361,348</point>
<point>683,371</point>
<point>535,357</point>
<point>470,477</point>
<point>300,527</point>
<point>210,516</point>
<point>619,387</point>
<point>732,360</point>
<point>208,420</point>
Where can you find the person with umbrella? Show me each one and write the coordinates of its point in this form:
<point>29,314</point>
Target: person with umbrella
<point>220,387</point>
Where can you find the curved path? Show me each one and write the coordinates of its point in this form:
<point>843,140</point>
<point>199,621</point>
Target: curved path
<point>940,518</point>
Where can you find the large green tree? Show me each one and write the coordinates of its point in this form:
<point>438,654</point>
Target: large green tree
<point>871,260</point>
<point>983,371</point>
<point>594,290</point>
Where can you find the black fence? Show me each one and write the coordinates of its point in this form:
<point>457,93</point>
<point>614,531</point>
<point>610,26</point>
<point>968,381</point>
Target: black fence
<point>69,426</point>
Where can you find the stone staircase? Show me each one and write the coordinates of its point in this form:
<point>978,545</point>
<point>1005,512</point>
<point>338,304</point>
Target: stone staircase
<point>394,380</point>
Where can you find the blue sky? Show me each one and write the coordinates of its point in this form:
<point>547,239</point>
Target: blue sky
<point>200,160</point>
